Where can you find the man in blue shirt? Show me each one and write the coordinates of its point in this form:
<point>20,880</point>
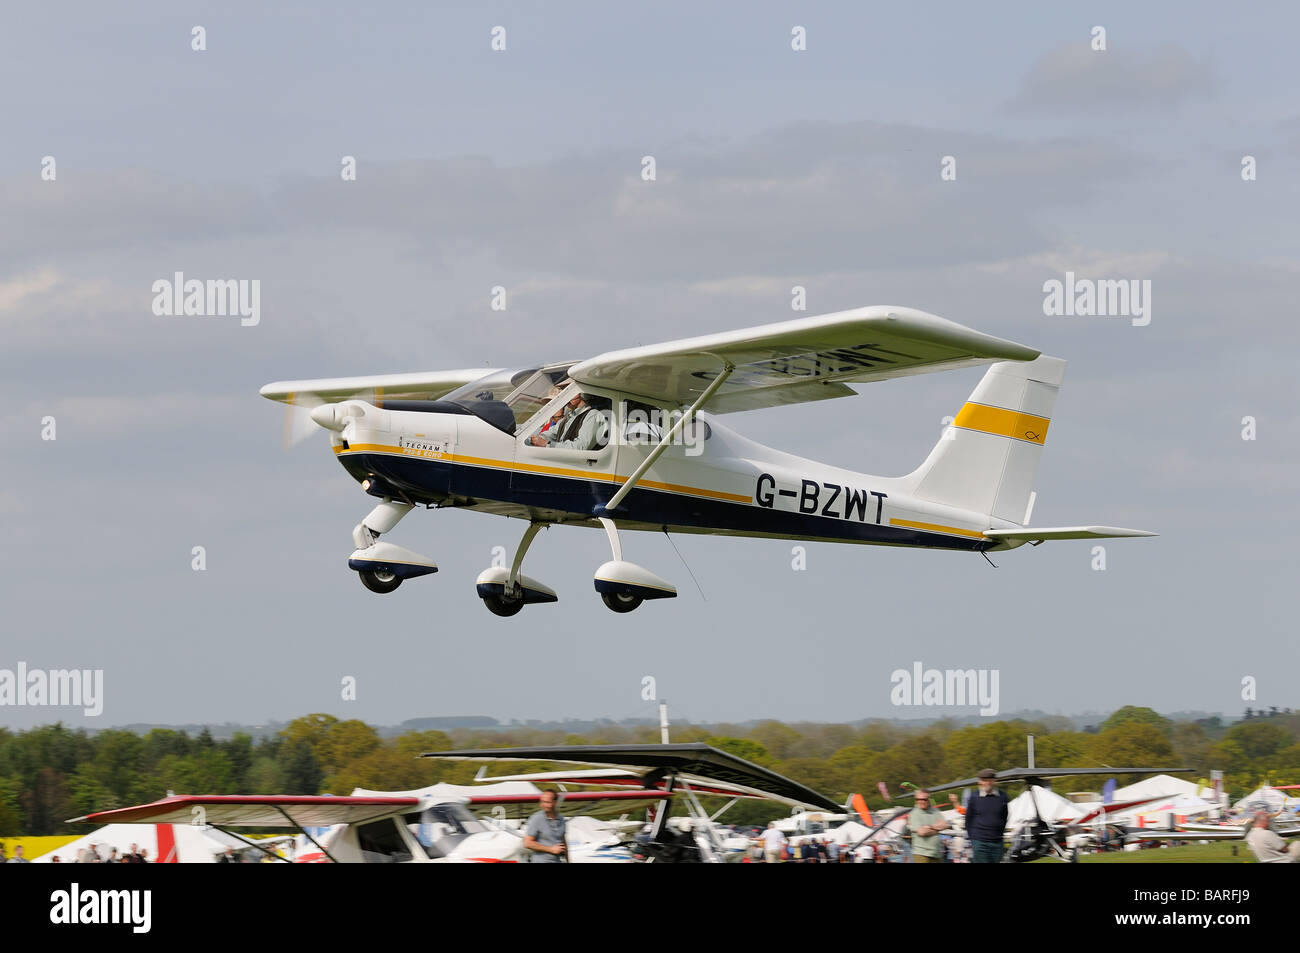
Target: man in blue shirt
<point>544,833</point>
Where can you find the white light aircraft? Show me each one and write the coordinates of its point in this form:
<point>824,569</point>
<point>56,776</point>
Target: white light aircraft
<point>369,827</point>
<point>630,440</point>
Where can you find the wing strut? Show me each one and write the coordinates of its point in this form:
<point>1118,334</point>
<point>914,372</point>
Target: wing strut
<point>668,438</point>
<point>306,834</point>
<point>269,853</point>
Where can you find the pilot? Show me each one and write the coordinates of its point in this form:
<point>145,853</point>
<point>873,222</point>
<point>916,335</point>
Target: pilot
<point>581,428</point>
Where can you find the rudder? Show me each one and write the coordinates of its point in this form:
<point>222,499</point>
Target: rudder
<point>987,459</point>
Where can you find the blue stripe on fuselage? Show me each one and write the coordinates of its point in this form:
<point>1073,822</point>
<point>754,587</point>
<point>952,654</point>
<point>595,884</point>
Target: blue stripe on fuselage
<point>432,481</point>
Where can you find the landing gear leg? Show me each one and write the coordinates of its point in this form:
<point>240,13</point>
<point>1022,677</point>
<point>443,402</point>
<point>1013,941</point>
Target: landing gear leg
<point>382,566</point>
<point>381,520</point>
<point>512,584</point>
<point>505,593</point>
<point>623,586</point>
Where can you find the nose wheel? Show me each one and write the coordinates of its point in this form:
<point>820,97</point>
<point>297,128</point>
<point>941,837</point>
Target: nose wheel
<point>379,580</point>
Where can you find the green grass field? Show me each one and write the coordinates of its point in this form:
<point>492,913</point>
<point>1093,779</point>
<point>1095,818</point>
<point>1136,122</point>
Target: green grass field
<point>1215,852</point>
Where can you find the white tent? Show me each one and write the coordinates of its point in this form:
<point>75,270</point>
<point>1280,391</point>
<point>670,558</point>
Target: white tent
<point>1274,799</point>
<point>1162,786</point>
<point>165,843</point>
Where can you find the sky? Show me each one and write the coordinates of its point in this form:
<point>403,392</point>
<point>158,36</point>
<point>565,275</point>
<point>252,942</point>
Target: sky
<point>522,168</point>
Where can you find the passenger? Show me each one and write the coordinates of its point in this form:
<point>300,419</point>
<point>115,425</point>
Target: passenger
<point>582,428</point>
<point>558,415</point>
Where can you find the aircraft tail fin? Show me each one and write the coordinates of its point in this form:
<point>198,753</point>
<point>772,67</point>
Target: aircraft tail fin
<point>987,459</point>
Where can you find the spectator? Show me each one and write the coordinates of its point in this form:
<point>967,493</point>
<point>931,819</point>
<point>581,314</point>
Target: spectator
<point>773,844</point>
<point>986,820</point>
<point>544,833</point>
<point>1267,846</point>
<point>924,822</point>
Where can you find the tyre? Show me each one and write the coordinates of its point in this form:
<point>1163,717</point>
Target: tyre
<point>621,601</point>
<point>503,605</point>
<point>379,580</point>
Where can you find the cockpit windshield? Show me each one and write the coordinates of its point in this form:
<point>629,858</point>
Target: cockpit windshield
<point>508,398</point>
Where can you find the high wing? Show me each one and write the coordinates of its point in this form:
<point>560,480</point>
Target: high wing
<point>1138,834</point>
<point>1038,534</point>
<point>688,763</point>
<point>1203,832</point>
<point>640,794</point>
<point>257,810</point>
<point>429,385</point>
<point>795,361</point>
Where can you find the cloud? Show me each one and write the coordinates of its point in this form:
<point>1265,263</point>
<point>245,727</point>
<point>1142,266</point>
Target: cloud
<point>14,290</point>
<point>1077,79</point>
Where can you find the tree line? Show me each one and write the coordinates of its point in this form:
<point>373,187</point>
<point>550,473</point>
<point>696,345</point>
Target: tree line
<point>52,773</point>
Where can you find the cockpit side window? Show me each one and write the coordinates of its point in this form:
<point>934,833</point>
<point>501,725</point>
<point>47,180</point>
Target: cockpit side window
<point>563,423</point>
<point>647,423</point>
<point>381,843</point>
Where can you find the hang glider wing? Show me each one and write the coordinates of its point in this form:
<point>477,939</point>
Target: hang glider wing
<point>1032,774</point>
<point>795,361</point>
<point>430,385</point>
<point>618,777</point>
<point>590,776</point>
<point>270,810</point>
<point>1038,534</point>
<point>694,763</point>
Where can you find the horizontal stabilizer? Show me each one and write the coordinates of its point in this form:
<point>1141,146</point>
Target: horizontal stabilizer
<point>1032,534</point>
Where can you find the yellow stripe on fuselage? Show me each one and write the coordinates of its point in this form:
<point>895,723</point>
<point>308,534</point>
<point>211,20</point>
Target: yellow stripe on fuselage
<point>937,528</point>
<point>1002,422</point>
<point>551,471</point>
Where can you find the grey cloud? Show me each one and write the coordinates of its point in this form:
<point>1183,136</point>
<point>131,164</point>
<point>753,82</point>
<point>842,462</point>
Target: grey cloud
<point>1077,79</point>
<point>122,208</point>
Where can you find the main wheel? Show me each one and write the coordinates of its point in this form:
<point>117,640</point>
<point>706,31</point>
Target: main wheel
<point>379,580</point>
<point>621,601</point>
<point>503,605</point>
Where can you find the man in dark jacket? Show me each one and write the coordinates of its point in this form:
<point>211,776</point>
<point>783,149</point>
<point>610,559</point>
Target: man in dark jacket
<point>986,820</point>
